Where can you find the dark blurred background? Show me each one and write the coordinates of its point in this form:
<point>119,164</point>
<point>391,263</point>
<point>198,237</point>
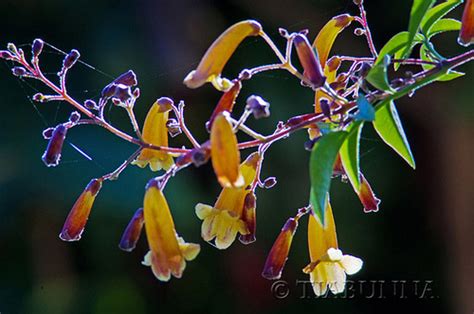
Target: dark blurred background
<point>423,232</point>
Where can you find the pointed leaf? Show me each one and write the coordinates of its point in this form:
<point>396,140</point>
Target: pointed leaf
<point>418,11</point>
<point>378,75</point>
<point>444,25</point>
<point>389,127</point>
<point>321,165</point>
<point>437,12</point>
<point>350,153</point>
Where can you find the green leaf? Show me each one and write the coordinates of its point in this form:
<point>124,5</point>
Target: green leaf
<point>378,75</point>
<point>366,110</point>
<point>321,165</point>
<point>437,12</point>
<point>350,153</point>
<point>389,127</point>
<point>443,25</point>
<point>418,11</point>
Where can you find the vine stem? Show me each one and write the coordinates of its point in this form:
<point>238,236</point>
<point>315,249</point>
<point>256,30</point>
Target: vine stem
<point>38,74</point>
<point>363,21</point>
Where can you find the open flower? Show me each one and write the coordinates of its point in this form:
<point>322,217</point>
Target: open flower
<point>329,266</point>
<point>216,57</point>
<point>155,132</point>
<point>223,221</point>
<point>168,252</point>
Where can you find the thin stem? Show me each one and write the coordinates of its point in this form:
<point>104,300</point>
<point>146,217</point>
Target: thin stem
<point>115,174</point>
<point>179,112</point>
<point>247,130</point>
<point>272,45</point>
<point>368,34</point>
<point>133,121</point>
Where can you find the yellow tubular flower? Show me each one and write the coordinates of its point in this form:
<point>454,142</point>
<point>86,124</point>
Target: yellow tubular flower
<point>225,153</point>
<point>168,252</point>
<point>223,221</point>
<point>216,57</point>
<point>327,35</point>
<point>328,267</point>
<point>155,132</point>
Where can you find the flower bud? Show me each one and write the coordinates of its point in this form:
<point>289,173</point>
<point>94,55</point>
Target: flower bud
<point>48,133</point>
<point>70,60</point>
<point>269,182</point>
<point>128,78</point>
<point>200,157</point>
<point>132,232</point>
<point>79,214</point>
<point>312,68</point>
<point>359,31</point>
<point>19,71</point>
<point>258,106</point>
<point>122,92</point>
<point>279,252</point>
<point>12,48</point>
<point>6,55</point>
<point>52,155</point>
<point>39,97</point>
<point>90,104</point>
<point>74,117</point>
<point>249,218</point>
<point>37,47</point>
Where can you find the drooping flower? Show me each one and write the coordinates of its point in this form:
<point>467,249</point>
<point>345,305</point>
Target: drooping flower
<point>132,232</point>
<point>155,132</point>
<point>79,214</point>
<point>367,196</point>
<point>168,252</point>
<point>53,151</point>
<point>250,219</point>
<point>223,221</point>
<point>278,255</point>
<point>466,35</point>
<point>328,266</point>
<point>216,57</point>
<point>308,59</point>
<point>225,155</point>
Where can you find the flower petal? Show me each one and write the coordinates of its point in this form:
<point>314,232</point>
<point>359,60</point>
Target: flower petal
<point>367,196</point>
<point>351,264</point>
<point>132,232</point>
<point>466,35</point>
<point>226,102</point>
<point>311,65</point>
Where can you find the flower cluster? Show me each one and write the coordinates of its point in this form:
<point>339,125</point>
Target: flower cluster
<point>344,100</point>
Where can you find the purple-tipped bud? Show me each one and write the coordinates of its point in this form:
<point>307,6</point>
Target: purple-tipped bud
<point>283,32</point>
<point>12,48</point>
<point>249,218</point>
<point>74,117</point>
<point>128,78</point>
<point>6,55</point>
<point>132,232</point>
<point>136,93</point>
<point>38,97</point>
<point>325,107</point>
<point>279,253</point>
<point>200,157</point>
<point>52,155</point>
<point>71,59</point>
<point>269,182</point>
<point>48,133</point>
<point>121,92</point>
<point>307,56</point>
<point>173,127</point>
<point>19,71</point>
<point>79,214</point>
<point>90,104</point>
<point>258,106</point>
<point>37,47</point>
<point>359,31</point>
